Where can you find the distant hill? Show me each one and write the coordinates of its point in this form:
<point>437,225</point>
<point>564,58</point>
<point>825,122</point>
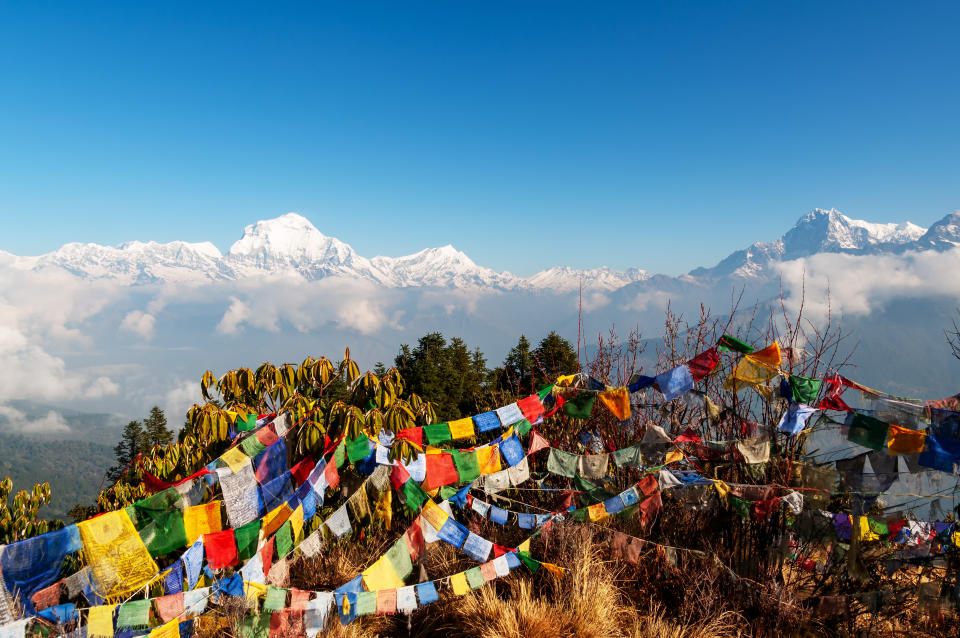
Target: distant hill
<point>74,469</point>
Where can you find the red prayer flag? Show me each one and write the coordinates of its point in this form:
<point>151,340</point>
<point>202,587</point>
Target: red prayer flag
<point>266,435</point>
<point>557,405</point>
<point>648,484</point>
<point>399,476</point>
<point>440,471</point>
<point>302,470</point>
<point>537,442</point>
<point>499,550</point>
<point>704,363</point>
<point>763,509</point>
<point>650,508</point>
<point>415,542</point>
<point>332,475</point>
<point>531,407</point>
<point>288,622</point>
<point>688,436</point>
<point>414,435</point>
<point>220,549</point>
<point>833,399</point>
<point>155,485</point>
<point>266,556</point>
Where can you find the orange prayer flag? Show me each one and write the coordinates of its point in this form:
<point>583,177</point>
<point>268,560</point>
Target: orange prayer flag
<point>201,519</point>
<point>904,440</point>
<point>617,401</point>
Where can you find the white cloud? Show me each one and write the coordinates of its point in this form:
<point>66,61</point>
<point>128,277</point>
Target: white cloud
<point>16,421</point>
<point>593,301</point>
<point>859,284</point>
<point>139,323</point>
<point>178,400</point>
<point>653,299</point>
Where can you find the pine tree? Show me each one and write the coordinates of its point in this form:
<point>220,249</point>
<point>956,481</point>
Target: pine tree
<point>518,368</point>
<point>155,429</point>
<point>131,443</point>
<point>553,357</point>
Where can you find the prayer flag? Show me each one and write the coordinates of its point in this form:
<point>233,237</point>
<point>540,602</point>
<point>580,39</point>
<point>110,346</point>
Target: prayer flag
<point>579,406</point>
<point>562,463</point>
<point>475,578</point>
<point>437,433</point>
<point>509,414</point>
<point>220,548</point>
<point>235,459</point>
<point>531,407</point>
<point>675,382</point>
<point>427,593</point>
<point>905,440</point>
<point>867,431</point>
<point>462,429</point>
<point>512,450</point>
<point>617,400</point>
<point>440,471</point>
<point>703,364</point>
<point>488,459</point>
<point>486,421</point>
<point>465,461</point>
<point>119,561</point>
<point>459,584</point>
<point>387,602</point>
<point>100,621</point>
<point>795,418</point>
<point>805,390</point>
<point>201,519</point>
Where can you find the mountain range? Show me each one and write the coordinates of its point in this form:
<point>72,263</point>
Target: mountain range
<point>290,244</point>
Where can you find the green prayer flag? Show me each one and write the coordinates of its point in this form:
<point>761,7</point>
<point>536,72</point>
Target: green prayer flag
<point>134,614</point>
<point>545,391</point>
<point>562,463</point>
<point>468,468</point>
<point>358,448</point>
<point>532,564</point>
<point>868,432</point>
<point>251,446</point>
<point>805,390</point>
<point>366,603</point>
<point>276,599</point>
<point>732,344</point>
<point>626,513</point>
<point>284,540</point>
<point>256,626</point>
<point>414,495</point>
<point>446,491</point>
<point>340,454</point>
<point>628,457</point>
<point>399,558</point>
<point>741,507</point>
<point>475,578</point>
<point>159,520</point>
<point>590,492</point>
<point>878,527</point>
<point>579,515</point>
<point>580,406</point>
<point>247,423</point>
<point>522,427</point>
<point>246,537</point>
<point>437,433</point>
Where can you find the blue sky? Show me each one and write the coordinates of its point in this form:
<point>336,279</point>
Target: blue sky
<point>661,135</point>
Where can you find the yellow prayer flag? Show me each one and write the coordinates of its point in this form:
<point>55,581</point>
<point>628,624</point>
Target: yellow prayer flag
<point>381,575</point>
<point>385,508</point>
<point>296,521</point>
<point>100,621</point>
<point>556,570</point>
<point>524,546</point>
<point>722,489</point>
<point>755,368</point>
<point>432,513</point>
<point>904,440</point>
<point>597,512</point>
<point>459,584</point>
<point>461,429</point>
<point>617,401</point>
<point>117,557</point>
<point>672,457</point>
<point>274,519</point>
<point>254,591</point>
<point>867,534</point>
<point>235,459</point>
<point>167,630</point>
<point>488,459</point>
<point>201,519</point>
<point>565,379</point>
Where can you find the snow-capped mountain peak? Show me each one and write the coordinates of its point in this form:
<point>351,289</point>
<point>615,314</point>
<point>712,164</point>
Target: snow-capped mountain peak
<point>831,231</point>
<point>565,279</point>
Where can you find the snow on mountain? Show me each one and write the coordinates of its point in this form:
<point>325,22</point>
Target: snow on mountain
<point>135,262</point>
<point>444,266</point>
<point>566,279</point>
<point>292,244</point>
<point>943,235</point>
<point>819,231</point>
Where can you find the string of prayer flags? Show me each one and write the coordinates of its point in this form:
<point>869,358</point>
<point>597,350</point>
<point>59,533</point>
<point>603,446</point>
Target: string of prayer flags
<point>118,559</point>
<point>617,400</point>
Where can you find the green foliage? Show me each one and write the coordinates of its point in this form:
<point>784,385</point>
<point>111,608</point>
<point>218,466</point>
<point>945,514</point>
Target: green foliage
<point>155,429</point>
<point>449,374</point>
<point>526,370</point>
<point>18,520</point>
